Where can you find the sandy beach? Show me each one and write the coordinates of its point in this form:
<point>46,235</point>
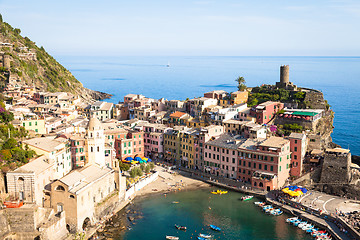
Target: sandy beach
<point>169,181</point>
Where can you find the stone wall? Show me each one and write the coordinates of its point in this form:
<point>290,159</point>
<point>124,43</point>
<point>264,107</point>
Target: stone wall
<point>54,228</point>
<point>4,226</point>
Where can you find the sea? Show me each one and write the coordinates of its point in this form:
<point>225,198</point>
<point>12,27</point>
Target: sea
<point>157,215</point>
<point>181,77</point>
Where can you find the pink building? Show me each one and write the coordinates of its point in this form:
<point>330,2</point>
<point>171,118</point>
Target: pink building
<point>154,139</point>
<point>130,144</point>
<point>263,163</point>
<point>298,144</point>
<point>264,112</point>
<point>266,163</point>
<point>78,146</point>
<point>220,156</point>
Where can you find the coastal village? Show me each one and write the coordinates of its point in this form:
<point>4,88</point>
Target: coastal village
<point>90,157</point>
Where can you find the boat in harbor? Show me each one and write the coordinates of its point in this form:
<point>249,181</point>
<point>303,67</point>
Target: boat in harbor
<point>276,212</point>
<point>175,202</point>
<point>220,192</point>
<point>201,238</point>
<point>258,203</point>
<point>291,220</point>
<point>215,228</point>
<point>172,238</point>
<point>180,227</point>
<point>205,235</point>
<point>246,198</point>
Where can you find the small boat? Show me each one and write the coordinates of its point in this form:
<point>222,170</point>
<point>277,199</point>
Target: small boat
<point>296,222</point>
<point>245,198</point>
<point>175,202</point>
<point>201,238</point>
<point>205,235</point>
<point>172,238</point>
<point>266,207</point>
<point>290,220</point>
<point>276,212</point>
<point>312,230</point>
<point>258,203</point>
<point>262,204</point>
<point>302,224</point>
<point>220,192</point>
<point>180,227</point>
<point>215,228</point>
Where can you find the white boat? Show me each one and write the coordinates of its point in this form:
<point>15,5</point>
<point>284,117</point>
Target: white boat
<point>172,238</point>
<point>205,235</point>
<point>290,220</point>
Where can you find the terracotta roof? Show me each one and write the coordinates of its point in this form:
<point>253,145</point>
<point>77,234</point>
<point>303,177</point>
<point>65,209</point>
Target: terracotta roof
<point>177,114</point>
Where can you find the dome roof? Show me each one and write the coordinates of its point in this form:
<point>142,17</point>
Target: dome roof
<point>94,123</point>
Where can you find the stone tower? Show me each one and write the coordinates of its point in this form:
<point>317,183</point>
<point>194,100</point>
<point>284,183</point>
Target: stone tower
<point>6,61</point>
<point>284,79</point>
<point>284,74</point>
<point>95,143</point>
<point>336,166</point>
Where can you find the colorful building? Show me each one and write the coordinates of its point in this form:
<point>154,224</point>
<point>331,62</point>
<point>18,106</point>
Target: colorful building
<point>265,111</point>
<point>298,144</point>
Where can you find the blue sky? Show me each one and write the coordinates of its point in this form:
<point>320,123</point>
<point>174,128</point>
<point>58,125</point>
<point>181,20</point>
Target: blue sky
<point>189,27</point>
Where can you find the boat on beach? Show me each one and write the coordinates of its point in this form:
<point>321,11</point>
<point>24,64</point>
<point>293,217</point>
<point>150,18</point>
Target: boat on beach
<point>172,238</point>
<point>215,228</point>
<point>246,198</point>
<point>180,227</point>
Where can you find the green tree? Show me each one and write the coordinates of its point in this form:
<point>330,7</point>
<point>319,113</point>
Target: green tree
<point>1,19</point>
<point>142,167</point>
<point>123,166</point>
<point>139,172</point>
<point>241,83</point>
<point>9,144</point>
<point>133,173</point>
<point>152,165</point>
<point>147,169</point>
<point>17,31</point>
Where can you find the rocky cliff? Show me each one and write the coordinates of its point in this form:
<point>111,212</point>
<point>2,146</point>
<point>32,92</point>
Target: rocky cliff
<point>23,61</point>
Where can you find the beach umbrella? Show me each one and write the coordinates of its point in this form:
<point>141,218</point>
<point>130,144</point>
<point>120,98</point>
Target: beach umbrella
<point>138,159</point>
<point>145,159</point>
<point>129,159</point>
<point>149,160</point>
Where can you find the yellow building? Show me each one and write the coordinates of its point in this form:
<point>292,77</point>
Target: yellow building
<point>196,123</point>
<point>237,97</point>
<point>34,124</point>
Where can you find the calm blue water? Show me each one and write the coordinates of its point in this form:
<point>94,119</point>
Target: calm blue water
<point>337,77</point>
<point>237,219</point>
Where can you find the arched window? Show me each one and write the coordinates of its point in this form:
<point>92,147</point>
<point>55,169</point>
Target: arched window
<point>255,184</point>
<point>72,196</point>
<point>92,149</point>
<point>60,188</point>
<point>261,184</point>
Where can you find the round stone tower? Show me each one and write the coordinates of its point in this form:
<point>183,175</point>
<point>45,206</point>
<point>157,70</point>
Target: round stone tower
<point>6,61</point>
<point>284,74</point>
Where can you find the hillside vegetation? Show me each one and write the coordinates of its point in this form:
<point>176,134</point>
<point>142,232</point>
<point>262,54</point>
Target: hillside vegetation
<point>33,65</point>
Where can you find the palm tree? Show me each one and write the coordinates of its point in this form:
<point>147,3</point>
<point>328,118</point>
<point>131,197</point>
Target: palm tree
<point>241,83</point>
